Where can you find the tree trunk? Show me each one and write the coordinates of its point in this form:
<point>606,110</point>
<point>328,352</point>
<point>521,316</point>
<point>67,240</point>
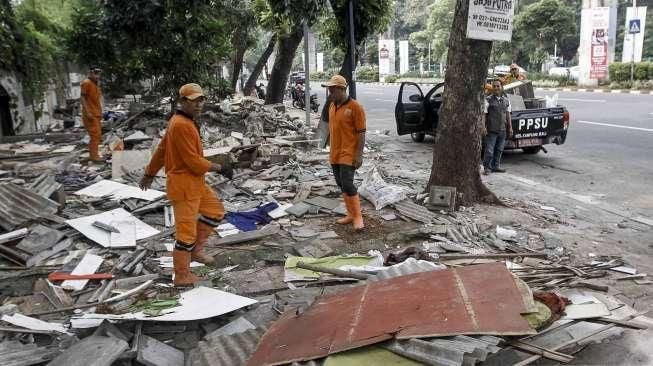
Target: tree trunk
<point>251,81</point>
<point>282,64</point>
<point>346,69</point>
<point>237,67</point>
<point>457,149</point>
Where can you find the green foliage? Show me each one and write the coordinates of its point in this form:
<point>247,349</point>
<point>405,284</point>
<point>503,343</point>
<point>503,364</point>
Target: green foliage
<point>370,17</point>
<point>539,26</point>
<point>170,42</point>
<point>31,46</point>
<point>391,78</point>
<point>367,73</point>
<point>620,71</point>
<point>437,30</point>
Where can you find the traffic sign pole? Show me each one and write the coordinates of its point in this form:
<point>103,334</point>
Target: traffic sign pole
<point>632,46</point>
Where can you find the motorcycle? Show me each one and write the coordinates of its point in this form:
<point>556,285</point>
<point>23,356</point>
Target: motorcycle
<point>260,91</point>
<point>299,101</point>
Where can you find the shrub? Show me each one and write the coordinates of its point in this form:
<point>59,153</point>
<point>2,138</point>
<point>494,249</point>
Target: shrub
<point>318,76</point>
<point>391,78</point>
<point>367,73</point>
<point>620,71</point>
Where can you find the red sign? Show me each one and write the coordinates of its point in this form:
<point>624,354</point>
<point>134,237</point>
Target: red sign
<point>599,54</point>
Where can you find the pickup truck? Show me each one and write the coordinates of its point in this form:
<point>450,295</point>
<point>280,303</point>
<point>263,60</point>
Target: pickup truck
<point>533,125</point>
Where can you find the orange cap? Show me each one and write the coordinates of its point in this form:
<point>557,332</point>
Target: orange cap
<point>191,91</point>
<point>336,80</point>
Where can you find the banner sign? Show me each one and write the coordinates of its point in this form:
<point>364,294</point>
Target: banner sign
<point>490,20</point>
<point>599,50</point>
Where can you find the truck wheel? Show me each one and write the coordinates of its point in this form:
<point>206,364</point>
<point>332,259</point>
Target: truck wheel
<point>418,136</point>
<point>532,149</point>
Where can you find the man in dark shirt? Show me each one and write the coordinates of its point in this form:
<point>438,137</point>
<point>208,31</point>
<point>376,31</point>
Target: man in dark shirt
<point>498,128</point>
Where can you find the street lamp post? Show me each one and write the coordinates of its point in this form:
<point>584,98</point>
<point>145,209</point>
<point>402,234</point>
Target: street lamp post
<point>352,51</point>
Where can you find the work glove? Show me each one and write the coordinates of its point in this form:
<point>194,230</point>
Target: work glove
<point>227,171</point>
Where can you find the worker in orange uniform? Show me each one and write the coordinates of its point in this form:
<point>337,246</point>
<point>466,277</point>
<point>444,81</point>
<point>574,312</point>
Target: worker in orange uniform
<point>347,136</point>
<point>196,207</point>
<point>513,76</point>
<point>92,112</point>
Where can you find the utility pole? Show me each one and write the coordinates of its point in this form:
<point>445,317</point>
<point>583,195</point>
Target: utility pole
<point>352,51</point>
<point>307,77</point>
<point>632,45</point>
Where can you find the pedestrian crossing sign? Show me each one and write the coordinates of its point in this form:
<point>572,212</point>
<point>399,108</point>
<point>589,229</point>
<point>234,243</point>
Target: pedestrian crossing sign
<point>634,26</point>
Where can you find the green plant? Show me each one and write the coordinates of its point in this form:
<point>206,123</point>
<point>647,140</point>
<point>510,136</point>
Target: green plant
<point>391,78</point>
<point>367,73</point>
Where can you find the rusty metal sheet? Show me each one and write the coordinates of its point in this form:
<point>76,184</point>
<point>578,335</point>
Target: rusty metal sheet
<point>480,299</point>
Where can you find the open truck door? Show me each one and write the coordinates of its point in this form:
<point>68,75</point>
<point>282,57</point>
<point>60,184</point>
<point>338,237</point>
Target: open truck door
<point>409,110</point>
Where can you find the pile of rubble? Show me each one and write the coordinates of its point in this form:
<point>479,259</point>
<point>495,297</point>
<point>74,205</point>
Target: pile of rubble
<point>86,268</point>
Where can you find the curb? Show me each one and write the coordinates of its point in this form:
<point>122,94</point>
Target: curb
<point>581,90</point>
<point>607,91</point>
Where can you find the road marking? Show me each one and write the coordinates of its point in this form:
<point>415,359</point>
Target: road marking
<point>617,126</point>
<point>584,100</point>
<point>375,93</point>
<point>384,100</point>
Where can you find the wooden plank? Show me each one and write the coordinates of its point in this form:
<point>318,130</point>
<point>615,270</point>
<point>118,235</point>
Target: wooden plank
<point>623,323</point>
<point>89,264</point>
<point>546,353</point>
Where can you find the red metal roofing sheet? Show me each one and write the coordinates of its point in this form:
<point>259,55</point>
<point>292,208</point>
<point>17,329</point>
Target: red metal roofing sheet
<point>480,299</point>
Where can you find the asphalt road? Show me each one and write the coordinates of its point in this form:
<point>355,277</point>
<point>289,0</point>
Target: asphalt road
<point>607,158</point>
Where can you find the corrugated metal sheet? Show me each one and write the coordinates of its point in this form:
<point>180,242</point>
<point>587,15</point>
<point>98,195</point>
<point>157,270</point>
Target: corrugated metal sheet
<point>44,185</point>
<point>407,267</point>
<point>480,299</point>
<point>230,350</point>
<point>453,351</point>
<point>19,205</point>
<point>416,212</point>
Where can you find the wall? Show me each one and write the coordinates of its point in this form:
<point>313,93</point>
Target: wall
<point>22,114</point>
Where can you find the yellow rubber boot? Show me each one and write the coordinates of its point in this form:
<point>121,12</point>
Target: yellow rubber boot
<point>356,212</point>
<point>349,218</point>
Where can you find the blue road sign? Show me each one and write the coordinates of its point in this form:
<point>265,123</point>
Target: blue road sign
<point>634,26</point>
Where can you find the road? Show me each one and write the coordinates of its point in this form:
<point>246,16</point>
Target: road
<point>607,158</point>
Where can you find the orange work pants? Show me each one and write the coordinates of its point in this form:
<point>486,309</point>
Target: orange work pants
<point>94,128</point>
<point>207,209</point>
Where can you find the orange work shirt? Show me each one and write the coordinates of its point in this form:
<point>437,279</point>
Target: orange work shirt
<point>345,123</point>
<point>91,93</point>
<point>180,152</point>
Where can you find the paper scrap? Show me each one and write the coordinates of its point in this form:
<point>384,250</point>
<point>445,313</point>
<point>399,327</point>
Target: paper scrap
<point>166,262</point>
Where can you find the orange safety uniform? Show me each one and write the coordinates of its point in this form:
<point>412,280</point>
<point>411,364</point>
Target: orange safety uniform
<point>180,151</point>
<point>92,115</point>
<point>510,78</point>
<point>345,123</point>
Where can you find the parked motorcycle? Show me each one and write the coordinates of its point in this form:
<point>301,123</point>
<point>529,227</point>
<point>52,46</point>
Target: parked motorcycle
<point>299,100</point>
<point>260,91</point>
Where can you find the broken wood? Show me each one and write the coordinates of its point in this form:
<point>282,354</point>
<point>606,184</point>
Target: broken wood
<point>541,351</point>
<point>623,323</point>
<point>333,271</point>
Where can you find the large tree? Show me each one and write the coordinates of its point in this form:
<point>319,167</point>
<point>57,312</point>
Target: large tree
<point>370,18</point>
<point>457,148</point>
<point>294,14</point>
<point>542,25</point>
<point>168,42</point>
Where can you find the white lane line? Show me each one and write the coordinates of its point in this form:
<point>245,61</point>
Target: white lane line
<point>584,100</point>
<point>375,93</point>
<point>616,126</point>
<point>384,100</point>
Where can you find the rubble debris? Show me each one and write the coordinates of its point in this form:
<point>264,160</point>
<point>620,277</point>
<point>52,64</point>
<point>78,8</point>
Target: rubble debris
<point>15,353</point>
<point>442,197</point>
<point>92,351</point>
<point>151,352</point>
<point>118,191</point>
<point>89,264</point>
<point>27,322</point>
<point>293,272</point>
